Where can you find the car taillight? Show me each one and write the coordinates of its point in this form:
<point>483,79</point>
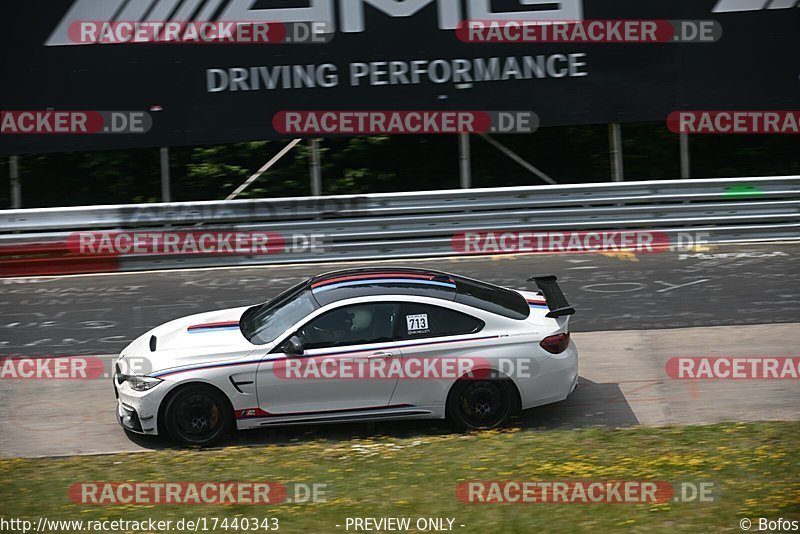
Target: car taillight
<point>555,344</point>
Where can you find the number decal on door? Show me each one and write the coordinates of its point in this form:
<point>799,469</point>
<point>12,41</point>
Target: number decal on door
<point>417,324</point>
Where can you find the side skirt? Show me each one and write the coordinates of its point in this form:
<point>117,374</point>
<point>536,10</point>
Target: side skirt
<point>339,417</point>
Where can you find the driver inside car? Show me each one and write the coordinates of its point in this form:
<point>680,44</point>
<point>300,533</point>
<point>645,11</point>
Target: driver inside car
<point>340,327</point>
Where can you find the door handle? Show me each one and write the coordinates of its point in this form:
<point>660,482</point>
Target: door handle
<point>380,356</point>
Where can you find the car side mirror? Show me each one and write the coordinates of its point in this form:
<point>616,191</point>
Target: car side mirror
<point>292,346</point>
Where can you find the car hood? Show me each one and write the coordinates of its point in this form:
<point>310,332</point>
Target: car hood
<point>197,339</point>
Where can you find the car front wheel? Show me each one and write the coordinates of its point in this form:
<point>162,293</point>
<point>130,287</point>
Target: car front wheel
<point>198,415</point>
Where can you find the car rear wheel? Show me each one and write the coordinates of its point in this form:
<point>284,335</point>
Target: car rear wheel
<point>481,404</point>
<point>198,415</point>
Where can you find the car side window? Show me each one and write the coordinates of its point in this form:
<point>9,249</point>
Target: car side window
<point>358,324</point>
<point>418,321</point>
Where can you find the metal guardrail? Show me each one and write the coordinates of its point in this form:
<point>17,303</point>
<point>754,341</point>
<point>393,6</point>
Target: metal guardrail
<point>409,225</point>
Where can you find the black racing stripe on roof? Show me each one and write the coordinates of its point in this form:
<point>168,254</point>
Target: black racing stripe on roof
<point>377,270</point>
<point>367,290</point>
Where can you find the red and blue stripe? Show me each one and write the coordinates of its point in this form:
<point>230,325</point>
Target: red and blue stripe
<point>209,327</point>
<point>537,304</point>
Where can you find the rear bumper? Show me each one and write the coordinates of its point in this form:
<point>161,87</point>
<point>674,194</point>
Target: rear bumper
<point>556,380</point>
<point>574,385</point>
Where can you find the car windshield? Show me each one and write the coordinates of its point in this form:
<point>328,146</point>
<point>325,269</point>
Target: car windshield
<point>264,323</point>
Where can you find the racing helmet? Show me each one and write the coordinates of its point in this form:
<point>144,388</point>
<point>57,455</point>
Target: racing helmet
<point>360,320</point>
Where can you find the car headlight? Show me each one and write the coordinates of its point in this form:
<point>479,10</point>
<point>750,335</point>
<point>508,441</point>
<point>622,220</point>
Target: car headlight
<point>142,383</point>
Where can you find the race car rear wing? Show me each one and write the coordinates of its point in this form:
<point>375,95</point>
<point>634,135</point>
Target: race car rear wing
<point>556,301</point>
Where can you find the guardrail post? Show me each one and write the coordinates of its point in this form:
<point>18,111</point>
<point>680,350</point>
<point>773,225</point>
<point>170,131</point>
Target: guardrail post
<point>316,171</point>
<point>686,169</point>
<point>464,160</point>
<point>165,182</point>
<point>16,188</point>
<point>615,143</point>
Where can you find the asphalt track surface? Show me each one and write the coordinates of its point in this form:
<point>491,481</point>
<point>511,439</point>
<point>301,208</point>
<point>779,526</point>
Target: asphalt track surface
<point>634,313</point>
<point>100,314</point>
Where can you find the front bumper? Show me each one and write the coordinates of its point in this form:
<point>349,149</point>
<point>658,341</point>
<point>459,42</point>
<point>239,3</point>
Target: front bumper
<point>137,411</point>
<point>128,418</point>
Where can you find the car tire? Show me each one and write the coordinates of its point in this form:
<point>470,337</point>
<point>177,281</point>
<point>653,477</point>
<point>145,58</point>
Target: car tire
<point>482,404</point>
<point>197,416</point>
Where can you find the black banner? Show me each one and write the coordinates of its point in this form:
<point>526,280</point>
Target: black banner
<point>381,55</point>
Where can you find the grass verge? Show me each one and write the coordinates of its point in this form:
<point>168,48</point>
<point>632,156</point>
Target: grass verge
<point>755,469</point>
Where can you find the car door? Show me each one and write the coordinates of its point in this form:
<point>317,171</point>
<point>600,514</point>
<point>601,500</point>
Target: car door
<point>325,377</point>
<point>426,332</point>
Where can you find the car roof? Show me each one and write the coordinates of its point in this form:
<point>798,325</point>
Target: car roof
<point>352,283</point>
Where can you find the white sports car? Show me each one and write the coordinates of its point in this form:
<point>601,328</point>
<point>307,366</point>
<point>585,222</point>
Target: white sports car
<point>354,345</point>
